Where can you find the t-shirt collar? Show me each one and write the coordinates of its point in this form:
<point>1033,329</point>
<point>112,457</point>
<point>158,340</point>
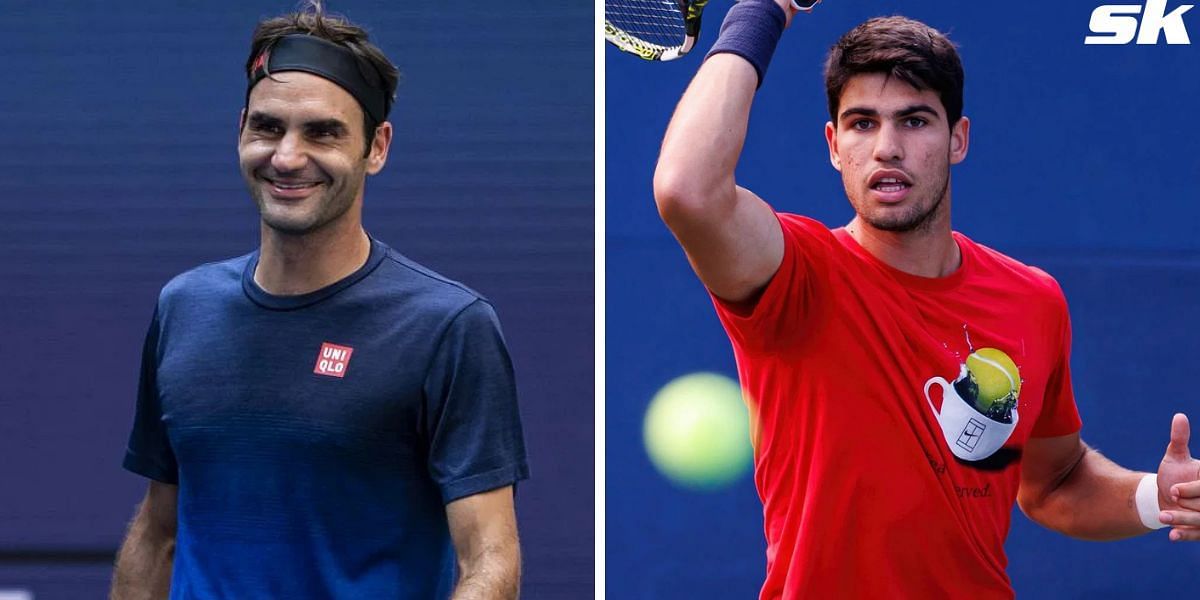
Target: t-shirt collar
<point>275,302</point>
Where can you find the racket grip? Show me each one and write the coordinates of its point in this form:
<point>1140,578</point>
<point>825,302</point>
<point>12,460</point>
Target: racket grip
<point>805,5</point>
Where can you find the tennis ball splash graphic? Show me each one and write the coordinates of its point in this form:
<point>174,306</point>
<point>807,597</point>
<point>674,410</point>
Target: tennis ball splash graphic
<point>992,383</point>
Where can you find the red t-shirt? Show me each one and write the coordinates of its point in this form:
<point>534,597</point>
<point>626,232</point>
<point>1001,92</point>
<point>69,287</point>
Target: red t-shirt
<point>863,496</point>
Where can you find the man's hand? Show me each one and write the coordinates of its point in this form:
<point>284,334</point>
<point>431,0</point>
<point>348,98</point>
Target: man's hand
<point>790,9</point>
<point>786,5</point>
<point>1179,484</point>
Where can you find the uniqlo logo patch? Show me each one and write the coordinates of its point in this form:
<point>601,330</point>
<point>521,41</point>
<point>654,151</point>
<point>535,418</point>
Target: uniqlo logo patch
<point>333,359</point>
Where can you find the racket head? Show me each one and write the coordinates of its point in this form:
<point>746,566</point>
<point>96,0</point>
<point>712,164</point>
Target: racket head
<point>653,29</point>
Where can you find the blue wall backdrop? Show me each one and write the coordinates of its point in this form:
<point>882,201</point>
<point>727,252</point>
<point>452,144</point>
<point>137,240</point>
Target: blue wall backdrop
<point>1083,161</point>
<point>118,169</point>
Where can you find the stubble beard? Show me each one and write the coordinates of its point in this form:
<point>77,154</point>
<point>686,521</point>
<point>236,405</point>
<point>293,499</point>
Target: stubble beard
<point>914,219</point>
<point>330,207</point>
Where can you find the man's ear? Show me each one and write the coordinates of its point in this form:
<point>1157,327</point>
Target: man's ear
<point>377,156</point>
<point>960,140</point>
<point>831,139</point>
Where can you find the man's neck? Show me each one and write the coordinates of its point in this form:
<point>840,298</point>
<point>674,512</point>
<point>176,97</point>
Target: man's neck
<point>926,252</point>
<point>290,265</point>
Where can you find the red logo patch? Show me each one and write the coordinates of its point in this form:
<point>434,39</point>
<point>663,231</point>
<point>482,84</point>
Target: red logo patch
<point>332,360</point>
<point>259,62</point>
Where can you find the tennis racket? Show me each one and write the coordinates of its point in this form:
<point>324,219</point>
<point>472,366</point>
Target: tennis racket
<point>660,29</point>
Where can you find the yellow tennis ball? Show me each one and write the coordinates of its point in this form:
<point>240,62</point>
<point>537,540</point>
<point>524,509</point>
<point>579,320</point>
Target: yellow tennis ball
<point>995,373</point>
<point>696,431</point>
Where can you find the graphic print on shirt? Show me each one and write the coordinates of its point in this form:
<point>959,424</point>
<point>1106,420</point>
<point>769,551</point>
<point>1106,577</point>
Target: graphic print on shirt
<point>979,407</point>
<point>332,360</point>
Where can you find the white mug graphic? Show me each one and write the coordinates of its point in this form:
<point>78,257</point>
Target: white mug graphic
<point>970,434</point>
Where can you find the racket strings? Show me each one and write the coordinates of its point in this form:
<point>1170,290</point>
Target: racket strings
<point>655,21</point>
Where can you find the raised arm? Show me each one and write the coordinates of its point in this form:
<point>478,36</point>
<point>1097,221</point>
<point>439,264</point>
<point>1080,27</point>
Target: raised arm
<point>144,563</point>
<point>484,530</point>
<point>731,237</point>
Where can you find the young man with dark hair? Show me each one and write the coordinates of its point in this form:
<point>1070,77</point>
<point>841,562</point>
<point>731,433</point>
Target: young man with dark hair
<point>322,418</point>
<point>909,384</point>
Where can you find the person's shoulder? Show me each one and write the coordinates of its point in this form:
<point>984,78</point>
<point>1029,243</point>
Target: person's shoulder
<point>1018,275</point>
<point>794,222</point>
<point>426,289</point>
<point>206,281</point>
<point>807,232</point>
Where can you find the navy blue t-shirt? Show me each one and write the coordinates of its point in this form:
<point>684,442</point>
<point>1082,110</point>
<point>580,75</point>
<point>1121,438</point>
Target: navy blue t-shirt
<point>316,439</point>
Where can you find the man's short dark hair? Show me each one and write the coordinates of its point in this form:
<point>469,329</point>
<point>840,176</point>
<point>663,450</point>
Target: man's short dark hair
<point>312,20</point>
<point>899,47</point>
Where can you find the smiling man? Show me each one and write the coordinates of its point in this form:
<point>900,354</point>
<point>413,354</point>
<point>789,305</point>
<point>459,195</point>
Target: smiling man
<point>910,384</point>
<point>322,418</point>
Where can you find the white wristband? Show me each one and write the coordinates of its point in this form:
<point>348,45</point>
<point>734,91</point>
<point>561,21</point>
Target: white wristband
<point>1146,500</point>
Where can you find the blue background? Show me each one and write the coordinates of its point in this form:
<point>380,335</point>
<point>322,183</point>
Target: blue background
<point>118,169</point>
<point>1083,160</point>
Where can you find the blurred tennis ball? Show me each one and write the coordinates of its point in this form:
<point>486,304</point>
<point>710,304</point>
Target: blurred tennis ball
<point>696,431</point>
<point>995,373</point>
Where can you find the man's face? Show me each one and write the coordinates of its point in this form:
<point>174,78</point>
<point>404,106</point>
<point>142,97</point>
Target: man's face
<point>301,152</point>
<point>894,147</point>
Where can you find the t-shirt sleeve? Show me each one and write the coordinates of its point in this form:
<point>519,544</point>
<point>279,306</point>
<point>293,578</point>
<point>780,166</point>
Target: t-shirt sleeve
<point>780,311</point>
<point>1060,415</point>
<point>476,441</point>
<point>149,452</point>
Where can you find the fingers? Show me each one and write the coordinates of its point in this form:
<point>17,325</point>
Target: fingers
<point>1185,525</point>
<point>1185,534</point>
<point>1184,491</point>
<point>1180,432</point>
<point>1188,503</point>
<point>1180,518</point>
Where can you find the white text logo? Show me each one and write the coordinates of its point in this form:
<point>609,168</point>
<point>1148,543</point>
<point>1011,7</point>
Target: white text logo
<point>332,360</point>
<point>1118,24</point>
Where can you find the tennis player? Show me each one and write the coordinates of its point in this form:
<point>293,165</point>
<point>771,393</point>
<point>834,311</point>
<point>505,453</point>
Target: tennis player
<point>323,417</point>
<point>910,383</point>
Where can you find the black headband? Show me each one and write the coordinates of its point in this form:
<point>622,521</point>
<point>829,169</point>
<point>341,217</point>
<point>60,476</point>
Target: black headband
<point>326,59</point>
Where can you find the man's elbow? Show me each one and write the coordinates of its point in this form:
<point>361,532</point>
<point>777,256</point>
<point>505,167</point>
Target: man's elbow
<point>673,193</point>
<point>684,195</point>
<point>1038,508</point>
<point>1060,515</point>
<point>1031,505</point>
